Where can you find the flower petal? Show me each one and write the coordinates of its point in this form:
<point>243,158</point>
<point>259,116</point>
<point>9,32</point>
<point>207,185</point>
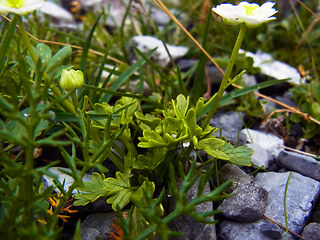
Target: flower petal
<point>30,5</point>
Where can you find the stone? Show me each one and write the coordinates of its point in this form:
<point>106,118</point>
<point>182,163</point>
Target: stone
<point>273,68</point>
<point>65,180</point>
<point>271,230</point>
<point>228,230</point>
<point>249,80</point>
<point>286,99</point>
<point>300,163</point>
<point>232,172</point>
<point>159,16</point>
<point>147,43</point>
<point>89,234</point>
<point>268,106</point>
<point>248,204</point>
<point>231,124</point>
<point>271,143</point>
<point>260,156</point>
<point>190,228</point>
<point>102,222</point>
<point>311,231</point>
<point>302,194</point>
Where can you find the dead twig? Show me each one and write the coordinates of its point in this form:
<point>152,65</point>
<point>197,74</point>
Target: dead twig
<point>280,225</point>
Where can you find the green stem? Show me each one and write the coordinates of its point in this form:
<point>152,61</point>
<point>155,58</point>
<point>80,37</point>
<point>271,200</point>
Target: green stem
<point>74,99</point>
<point>226,76</point>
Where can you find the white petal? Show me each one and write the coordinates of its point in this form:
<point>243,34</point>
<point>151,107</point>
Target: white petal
<point>30,6</point>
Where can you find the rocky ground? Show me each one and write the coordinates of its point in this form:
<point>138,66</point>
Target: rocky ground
<point>284,193</point>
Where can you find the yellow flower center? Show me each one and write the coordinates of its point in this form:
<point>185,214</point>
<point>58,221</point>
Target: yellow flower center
<point>250,10</point>
<point>14,3</point>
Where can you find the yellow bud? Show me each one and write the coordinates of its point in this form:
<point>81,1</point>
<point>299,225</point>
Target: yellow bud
<point>71,79</point>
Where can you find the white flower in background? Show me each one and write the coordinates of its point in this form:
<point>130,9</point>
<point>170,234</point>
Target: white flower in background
<point>19,7</point>
<point>251,14</point>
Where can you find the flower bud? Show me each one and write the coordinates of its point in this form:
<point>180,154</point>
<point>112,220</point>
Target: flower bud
<point>71,79</point>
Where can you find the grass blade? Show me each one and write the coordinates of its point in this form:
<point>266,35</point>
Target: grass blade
<point>127,74</point>
<point>5,44</point>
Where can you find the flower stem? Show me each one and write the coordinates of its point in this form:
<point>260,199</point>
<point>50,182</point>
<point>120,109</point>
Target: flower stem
<point>74,99</point>
<point>226,76</point>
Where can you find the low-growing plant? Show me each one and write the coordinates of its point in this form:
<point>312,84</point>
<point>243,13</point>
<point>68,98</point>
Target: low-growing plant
<point>139,146</point>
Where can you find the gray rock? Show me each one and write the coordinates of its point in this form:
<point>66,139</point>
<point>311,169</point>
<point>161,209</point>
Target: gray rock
<point>311,231</point>
<point>248,204</point>
<point>260,156</point>
<point>303,164</point>
<point>271,143</point>
<point>214,74</point>
<point>232,172</point>
<point>271,230</point>
<point>192,229</point>
<point>286,99</point>
<point>159,16</point>
<point>102,222</point>
<point>268,106</point>
<point>229,230</point>
<point>231,124</point>
<point>89,233</point>
<point>146,43</point>
<point>301,195</point>
<point>249,80</point>
<point>65,180</point>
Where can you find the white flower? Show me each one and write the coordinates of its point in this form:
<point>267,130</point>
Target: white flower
<point>19,7</point>
<point>251,14</point>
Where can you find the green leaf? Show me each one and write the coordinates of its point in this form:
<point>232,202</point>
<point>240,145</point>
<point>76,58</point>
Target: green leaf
<point>43,53</point>
<point>139,194</point>
<point>148,119</point>
<point>181,106</point>
<point>138,222</point>
<point>195,130</point>
<point>151,139</point>
<point>212,146</point>
<point>5,43</point>
<point>131,105</point>
<point>91,191</point>
<point>58,59</point>
<point>315,109</point>
<point>120,189</point>
<point>152,160</point>
<point>240,156</point>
